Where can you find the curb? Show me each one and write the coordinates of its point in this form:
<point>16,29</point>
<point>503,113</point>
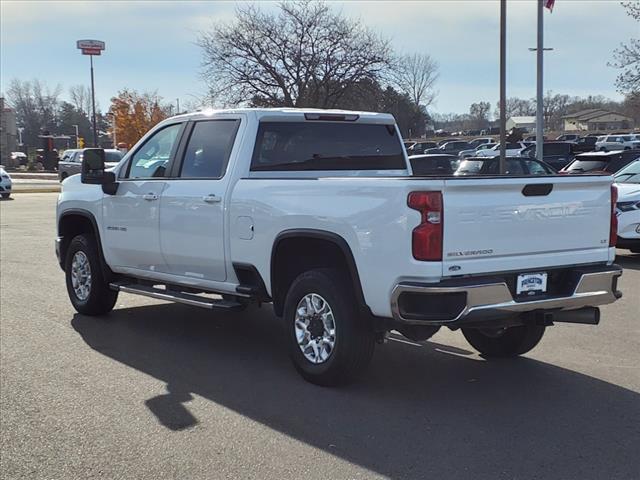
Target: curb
<point>37,190</point>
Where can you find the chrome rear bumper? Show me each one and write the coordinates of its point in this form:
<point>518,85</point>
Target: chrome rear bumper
<point>488,299</point>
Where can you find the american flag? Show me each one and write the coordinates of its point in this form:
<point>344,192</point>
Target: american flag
<point>549,4</point>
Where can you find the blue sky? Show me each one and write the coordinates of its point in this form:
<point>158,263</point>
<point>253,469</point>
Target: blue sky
<point>150,44</point>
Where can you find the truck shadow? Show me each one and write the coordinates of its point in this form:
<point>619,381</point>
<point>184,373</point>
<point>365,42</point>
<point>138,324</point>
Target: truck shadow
<point>420,412</point>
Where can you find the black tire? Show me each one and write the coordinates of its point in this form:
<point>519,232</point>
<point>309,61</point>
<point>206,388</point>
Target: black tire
<point>5,195</point>
<point>354,337</point>
<point>509,342</point>
<point>101,299</point>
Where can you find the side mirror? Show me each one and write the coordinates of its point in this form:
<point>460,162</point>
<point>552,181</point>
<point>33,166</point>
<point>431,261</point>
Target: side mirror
<point>93,171</point>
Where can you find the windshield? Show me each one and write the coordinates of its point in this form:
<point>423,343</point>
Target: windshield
<point>629,174</point>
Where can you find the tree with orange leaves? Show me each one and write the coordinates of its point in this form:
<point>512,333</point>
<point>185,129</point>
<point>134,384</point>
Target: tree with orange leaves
<point>135,113</point>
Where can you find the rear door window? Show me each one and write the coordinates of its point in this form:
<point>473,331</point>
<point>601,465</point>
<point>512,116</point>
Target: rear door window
<point>316,146</point>
<point>208,150</point>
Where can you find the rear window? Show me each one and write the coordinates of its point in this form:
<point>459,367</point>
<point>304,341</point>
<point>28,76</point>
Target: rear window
<point>113,157</point>
<point>305,146</point>
<point>587,165</point>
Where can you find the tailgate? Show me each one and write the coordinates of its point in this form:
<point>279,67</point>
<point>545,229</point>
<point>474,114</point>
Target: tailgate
<point>506,224</point>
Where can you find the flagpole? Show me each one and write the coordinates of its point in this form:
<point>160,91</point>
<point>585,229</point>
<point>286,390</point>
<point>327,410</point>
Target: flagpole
<point>539,87</point>
<point>503,85</point>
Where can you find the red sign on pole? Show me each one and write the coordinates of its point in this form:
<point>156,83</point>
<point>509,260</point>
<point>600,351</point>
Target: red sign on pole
<point>90,47</point>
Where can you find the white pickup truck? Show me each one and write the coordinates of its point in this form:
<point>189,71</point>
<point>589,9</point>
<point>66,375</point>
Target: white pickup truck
<point>318,213</point>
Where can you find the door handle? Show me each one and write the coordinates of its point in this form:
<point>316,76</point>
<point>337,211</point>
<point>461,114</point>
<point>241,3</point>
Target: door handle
<point>211,198</point>
<point>150,196</point>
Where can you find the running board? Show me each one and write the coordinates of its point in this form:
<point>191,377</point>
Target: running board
<point>178,297</point>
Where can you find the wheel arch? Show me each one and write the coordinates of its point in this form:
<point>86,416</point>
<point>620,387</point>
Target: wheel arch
<point>74,222</point>
<point>292,244</point>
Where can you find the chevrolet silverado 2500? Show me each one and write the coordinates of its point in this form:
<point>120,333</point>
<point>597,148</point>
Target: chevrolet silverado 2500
<point>319,213</point>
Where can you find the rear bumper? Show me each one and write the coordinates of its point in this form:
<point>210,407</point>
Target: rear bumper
<point>468,300</point>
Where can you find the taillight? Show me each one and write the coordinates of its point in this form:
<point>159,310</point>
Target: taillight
<point>613,230</point>
<point>426,240</point>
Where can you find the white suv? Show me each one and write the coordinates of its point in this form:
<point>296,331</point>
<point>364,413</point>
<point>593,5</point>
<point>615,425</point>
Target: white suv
<point>617,142</point>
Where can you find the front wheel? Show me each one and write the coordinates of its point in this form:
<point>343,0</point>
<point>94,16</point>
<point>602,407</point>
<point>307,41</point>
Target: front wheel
<point>330,343</point>
<point>6,195</point>
<point>504,342</point>
<point>88,291</point>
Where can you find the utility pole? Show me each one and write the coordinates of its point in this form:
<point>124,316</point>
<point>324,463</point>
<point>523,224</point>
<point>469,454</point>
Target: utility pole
<point>503,86</point>
<point>177,106</point>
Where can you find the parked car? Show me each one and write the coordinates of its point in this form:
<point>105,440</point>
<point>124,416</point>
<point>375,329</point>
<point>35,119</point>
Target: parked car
<point>585,144</point>
<point>556,154</point>
<point>532,138</point>
<point>446,140</point>
<point>451,148</point>
<point>628,206</point>
<point>601,162</point>
<point>480,141</point>
<point>608,143</point>
<point>473,151</point>
<point>230,203</point>
<point>568,137</point>
<point>5,183</point>
<point>513,150</point>
<point>491,166</point>
<point>18,159</point>
<point>420,147</point>
<point>408,144</point>
<point>433,164</point>
<point>71,161</point>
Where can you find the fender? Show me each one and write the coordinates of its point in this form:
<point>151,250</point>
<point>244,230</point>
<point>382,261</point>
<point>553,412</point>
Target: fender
<point>337,240</point>
<point>106,271</point>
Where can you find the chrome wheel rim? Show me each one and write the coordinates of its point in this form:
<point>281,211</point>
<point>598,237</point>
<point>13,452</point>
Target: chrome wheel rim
<point>81,275</point>
<point>315,328</point>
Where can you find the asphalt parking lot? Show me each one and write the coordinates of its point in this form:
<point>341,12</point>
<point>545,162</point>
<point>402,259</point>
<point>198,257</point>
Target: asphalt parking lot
<point>157,390</point>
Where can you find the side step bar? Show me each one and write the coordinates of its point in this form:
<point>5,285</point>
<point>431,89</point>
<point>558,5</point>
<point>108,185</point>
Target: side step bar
<point>178,297</point>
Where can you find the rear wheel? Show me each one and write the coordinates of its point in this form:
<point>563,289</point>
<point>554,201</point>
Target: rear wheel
<point>330,343</point>
<point>504,342</point>
<point>88,291</point>
<point>5,195</point>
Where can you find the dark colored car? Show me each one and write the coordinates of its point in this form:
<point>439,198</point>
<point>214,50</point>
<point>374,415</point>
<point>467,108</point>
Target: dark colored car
<point>585,144</point>
<point>446,140</point>
<point>568,137</point>
<point>556,154</point>
<point>452,148</point>
<point>601,162</point>
<point>433,164</point>
<point>491,166</point>
<point>419,147</point>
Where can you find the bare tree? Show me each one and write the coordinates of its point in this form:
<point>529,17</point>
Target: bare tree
<point>36,107</point>
<point>80,96</point>
<point>416,75</point>
<point>306,55</point>
<point>627,56</point>
<point>479,113</point>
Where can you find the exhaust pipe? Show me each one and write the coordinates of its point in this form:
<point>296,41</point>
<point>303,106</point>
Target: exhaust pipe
<point>586,315</point>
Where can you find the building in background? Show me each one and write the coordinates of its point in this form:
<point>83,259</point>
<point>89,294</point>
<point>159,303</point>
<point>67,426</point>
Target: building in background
<point>8,132</point>
<point>596,119</point>
<point>528,124</point>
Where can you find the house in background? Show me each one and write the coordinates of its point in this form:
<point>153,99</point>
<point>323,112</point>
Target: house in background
<point>527,124</point>
<point>8,132</point>
<point>596,119</point>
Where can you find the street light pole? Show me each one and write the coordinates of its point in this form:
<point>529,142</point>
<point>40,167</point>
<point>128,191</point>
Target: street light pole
<point>93,104</point>
<point>503,86</point>
<point>76,129</point>
<point>539,89</point>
